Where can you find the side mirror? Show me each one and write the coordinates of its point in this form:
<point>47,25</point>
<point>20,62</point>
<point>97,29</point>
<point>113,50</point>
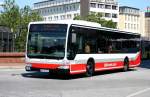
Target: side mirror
<point>74,37</point>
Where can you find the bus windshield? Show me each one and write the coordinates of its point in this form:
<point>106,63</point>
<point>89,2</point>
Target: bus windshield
<point>47,41</point>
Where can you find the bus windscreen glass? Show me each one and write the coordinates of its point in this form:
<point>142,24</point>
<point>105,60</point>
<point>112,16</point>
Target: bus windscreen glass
<point>46,41</point>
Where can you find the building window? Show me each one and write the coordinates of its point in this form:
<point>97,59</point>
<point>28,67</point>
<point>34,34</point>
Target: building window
<point>108,6</point>
<point>70,8</point>
<point>126,10</point>
<point>59,9</point>
<point>126,26</point>
<point>114,15</point>
<point>49,18</point>
<point>126,17</point>
<point>76,14</point>
<point>101,6</point>
<point>129,18</point>
<point>137,26</point>
<point>93,5</point>
<point>137,19</point>
<point>54,10</point>
<point>67,8</point>
<point>107,15</point>
<point>55,17</point>
<point>46,11</point>
<point>69,16</point>
<point>74,6</point>
<point>44,18</point>
<point>132,26</point>
<point>114,7</point>
<point>61,17</point>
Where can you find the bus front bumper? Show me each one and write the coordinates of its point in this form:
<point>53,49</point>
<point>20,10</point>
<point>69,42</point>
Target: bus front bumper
<point>59,70</point>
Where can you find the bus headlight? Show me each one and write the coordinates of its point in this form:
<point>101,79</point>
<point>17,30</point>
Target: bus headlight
<point>63,67</point>
<point>65,62</point>
<point>29,65</point>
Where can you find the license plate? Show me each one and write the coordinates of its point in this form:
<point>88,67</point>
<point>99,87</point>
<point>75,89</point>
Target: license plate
<point>44,70</point>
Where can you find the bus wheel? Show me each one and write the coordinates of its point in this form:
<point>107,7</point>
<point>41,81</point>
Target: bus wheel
<point>89,68</point>
<point>126,65</point>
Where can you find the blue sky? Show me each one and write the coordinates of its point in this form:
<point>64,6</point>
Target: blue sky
<point>141,4</point>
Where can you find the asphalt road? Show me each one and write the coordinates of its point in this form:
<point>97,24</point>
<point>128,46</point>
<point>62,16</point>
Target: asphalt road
<point>19,83</point>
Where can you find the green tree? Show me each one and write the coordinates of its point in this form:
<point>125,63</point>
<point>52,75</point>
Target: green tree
<point>97,17</point>
<point>10,15</point>
<point>26,16</point>
<point>17,20</point>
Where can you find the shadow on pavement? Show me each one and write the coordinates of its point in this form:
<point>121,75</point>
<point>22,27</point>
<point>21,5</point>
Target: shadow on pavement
<point>42,75</point>
<point>145,64</point>
<point>113,71</point>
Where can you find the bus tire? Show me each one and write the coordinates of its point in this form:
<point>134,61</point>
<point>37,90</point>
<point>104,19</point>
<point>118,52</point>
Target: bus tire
<point>89,68</point>
<point>126,64</point>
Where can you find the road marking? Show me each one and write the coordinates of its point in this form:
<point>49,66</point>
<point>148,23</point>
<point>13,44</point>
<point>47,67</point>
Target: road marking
<point>139,92</point>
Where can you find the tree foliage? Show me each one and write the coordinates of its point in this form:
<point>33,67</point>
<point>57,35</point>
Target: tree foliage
<point>17,19</point>
<point>10,14</point>
<point>97,17</point>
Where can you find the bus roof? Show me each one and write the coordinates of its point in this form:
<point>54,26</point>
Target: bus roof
<point>83,24</point>
<point>77,22</point>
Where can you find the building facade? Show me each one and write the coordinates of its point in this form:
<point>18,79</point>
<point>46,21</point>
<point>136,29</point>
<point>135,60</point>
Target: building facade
<point>129,19</point>
<point>142,24</point>
<point>68,9</point>
<point>108,8</point>
<point>147,24</point>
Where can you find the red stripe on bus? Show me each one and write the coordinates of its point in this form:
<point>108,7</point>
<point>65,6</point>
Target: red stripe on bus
<point>77,68</point>
<point>136,62</point>
<point>109,65</point>
<point>81,68</point>
<point>45,66</point>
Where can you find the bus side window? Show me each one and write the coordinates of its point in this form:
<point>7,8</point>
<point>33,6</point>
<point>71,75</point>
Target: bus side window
<point>109,48</point>
<point>99,51</point>
<point>87,48</point>
<point>101,44</point>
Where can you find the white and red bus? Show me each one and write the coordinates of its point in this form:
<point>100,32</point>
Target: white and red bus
<point>74,47</point>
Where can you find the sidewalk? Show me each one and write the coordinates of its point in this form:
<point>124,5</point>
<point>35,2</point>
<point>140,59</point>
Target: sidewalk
<point>12,65</point>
